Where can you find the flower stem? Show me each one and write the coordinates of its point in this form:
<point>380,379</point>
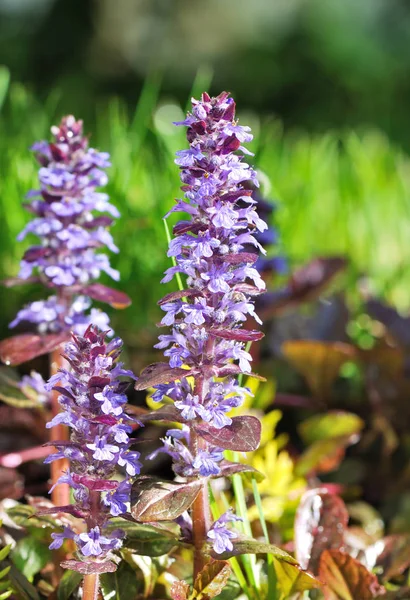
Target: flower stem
<point>61,493</point>
<point>91,586</point>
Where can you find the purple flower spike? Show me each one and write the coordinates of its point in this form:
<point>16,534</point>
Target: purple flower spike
<point>70,229</point>
<point>99,441</point>
<point>215,252</point>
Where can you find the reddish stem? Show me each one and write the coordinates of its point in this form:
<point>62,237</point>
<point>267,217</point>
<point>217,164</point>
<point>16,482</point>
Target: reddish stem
<point>91,586</point>
<point>61,493</point>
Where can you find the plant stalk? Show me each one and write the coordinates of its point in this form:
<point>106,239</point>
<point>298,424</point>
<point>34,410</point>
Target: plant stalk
<point>91,586</point>
<point>61,493</point>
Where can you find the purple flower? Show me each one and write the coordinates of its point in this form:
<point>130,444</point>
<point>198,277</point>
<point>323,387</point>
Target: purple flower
<point>58,538</point>
<point>95,544</point>
<point>102,450</point>
<point>207,462</point>
<point>220,535</point>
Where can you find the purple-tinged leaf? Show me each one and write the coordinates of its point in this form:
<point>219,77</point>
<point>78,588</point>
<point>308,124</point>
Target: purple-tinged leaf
<point>321,521</point>
<point>98,485</point>
<point>178,294</point>
<point>242,435</point>
<point>210,582</point>
<point>36,252</point>
<point>69,509</point>
<point>155,500</point>
<point>247,288</point>
<point>188,226</point>
<point>251,546</point>
<point>240,335</point>
<point>89,568</point>
<point>25,347</point>
<point>102,221</point>
<point>391,554</point>
<point>395,323</point>
<point>305,285</point>
<point>229,468</point>
<point>345,578</point>
<point>232,369</point>
<point>15,281</point>
<point>240,258</point>
<point>179,590</point>
<point>166,413</point>
<point>103,293</point>
<point>159,373</point>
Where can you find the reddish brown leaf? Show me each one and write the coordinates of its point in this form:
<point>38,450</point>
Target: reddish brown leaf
<point>320,524</point>
<point>232,369</point>
<point>251,546</point>
<point>178,294</point>
<point>14,281</point>
<point>229,468</point>
<point>154,500</point>
<point>179,590</point>
<point>88,568</point>
<point>305,285</point>
<point>210,582</point>
<point>345,578</point>
<point>243,435</point>
<point>103,293</point>
<point>242,335</point>
<point>25,347</point>
<point>159,373</point>
<point>166,413</point>
<point>241,257</point>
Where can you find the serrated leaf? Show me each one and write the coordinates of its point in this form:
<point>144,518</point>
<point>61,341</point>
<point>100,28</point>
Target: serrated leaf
<point>155,500</point>
<point>30,555</point>
<point>250,546</point>
<point>70,581</point>
<point>211,580</point>
<point>334,423</point>
<point>22,348</point>
<point>345,578</point>
<point>320,524</point>
<point>243,435</point>
<point>159,373</point>
<point>292,579</point>
<point>121,585</point>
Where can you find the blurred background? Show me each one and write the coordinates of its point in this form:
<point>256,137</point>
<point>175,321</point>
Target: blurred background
<point>325,86</point>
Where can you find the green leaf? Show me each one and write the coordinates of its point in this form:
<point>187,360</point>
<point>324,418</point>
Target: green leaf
<point>4,572</point>
<point>145,539</point>
<point>210,582</point>
<point>30,556</point>
<point>121,585</point>
<point>4,83</point>
<point>4,552</point>
<point>24,515</point>
<point>330,425</point>
<point>20,584</point>
<point>291,579</point>
<point>70,581</point>
<point>154,500</point>
<point>6,595</point>
<point>250,546</point>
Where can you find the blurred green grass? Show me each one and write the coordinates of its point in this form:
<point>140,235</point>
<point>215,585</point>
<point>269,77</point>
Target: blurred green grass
<point>341,192</point>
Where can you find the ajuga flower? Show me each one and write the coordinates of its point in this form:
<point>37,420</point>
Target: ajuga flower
<point>212,251</point>
<point>70,228</point>
<point>92,399</point>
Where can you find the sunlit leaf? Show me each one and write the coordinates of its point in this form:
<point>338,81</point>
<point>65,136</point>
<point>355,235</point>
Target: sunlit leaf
<point>320,524</point>
<point>333,424</point>
<point>155,500</point>
<point>291,579</point>
<point>243,435</point>
<point>250,546</point>
<point>324,455</point>
<point>211,580</point>
<point>103,293</point>
<point>159,373</point>
<point>121,585</point>
<point>179,590</point>
<point>345,578</point>
<point>22,348</point>
<point>146,540</point>
<point>391,554</point>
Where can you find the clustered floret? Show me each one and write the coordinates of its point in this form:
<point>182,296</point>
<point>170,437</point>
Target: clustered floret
<point>92,398</point>
<point>212,251</point>
<point>70,233</point>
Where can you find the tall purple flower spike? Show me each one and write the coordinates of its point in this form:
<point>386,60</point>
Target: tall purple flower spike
<point>212,251</point>
<point>92,399</point>
<point>71,221</point>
